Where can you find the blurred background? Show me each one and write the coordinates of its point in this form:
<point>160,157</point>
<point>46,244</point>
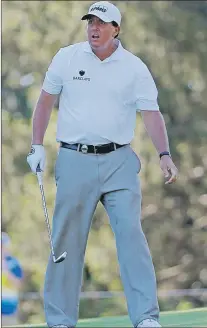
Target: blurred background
<point>171,38</point>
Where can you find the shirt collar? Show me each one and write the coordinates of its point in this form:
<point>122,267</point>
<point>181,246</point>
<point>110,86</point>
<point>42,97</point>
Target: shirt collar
<point>116,55</point>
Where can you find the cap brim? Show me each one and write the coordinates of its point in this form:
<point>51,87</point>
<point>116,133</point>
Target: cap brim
<point>99,15</point>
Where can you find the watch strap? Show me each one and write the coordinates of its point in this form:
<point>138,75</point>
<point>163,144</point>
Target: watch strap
<point>164,153</point>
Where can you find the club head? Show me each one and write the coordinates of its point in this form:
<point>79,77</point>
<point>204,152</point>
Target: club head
<point>60,258</point>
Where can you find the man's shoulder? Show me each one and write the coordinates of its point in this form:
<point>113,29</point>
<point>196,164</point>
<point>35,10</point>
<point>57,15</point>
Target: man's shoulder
<point>72,48</point>
<point>133,59</point>
<point>66,53</point>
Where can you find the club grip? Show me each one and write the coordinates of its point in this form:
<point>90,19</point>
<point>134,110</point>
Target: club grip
<point>39,175</point>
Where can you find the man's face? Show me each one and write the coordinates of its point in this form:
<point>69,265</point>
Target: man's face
<point>100,33</point>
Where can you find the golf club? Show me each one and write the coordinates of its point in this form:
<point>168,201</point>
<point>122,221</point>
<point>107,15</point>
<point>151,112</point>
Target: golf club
<point>40,181</point>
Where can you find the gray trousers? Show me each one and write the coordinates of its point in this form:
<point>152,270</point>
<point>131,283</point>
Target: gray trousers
<point>82,181</point>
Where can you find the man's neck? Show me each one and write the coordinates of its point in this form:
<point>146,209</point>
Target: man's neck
<point>103,53</point>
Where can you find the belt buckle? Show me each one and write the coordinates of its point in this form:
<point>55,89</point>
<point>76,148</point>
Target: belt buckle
<point>84,149</point>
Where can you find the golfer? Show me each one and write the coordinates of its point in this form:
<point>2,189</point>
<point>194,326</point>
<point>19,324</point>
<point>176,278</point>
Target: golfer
<point>101,87</point>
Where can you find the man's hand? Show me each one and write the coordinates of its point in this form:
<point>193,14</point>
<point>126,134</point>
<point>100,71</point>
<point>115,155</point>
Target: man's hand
<point>36,157</point>
<point>169,169</point>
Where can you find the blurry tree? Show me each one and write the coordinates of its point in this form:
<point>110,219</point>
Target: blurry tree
<point>171,38</point>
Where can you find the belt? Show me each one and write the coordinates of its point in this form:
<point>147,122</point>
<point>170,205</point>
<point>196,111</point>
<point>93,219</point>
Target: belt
<point>90,149</point>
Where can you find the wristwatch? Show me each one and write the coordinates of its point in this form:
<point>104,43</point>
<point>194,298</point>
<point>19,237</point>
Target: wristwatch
<point>164,153</point>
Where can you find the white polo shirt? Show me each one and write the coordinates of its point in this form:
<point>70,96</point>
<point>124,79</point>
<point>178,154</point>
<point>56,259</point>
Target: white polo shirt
<point>99,99</point>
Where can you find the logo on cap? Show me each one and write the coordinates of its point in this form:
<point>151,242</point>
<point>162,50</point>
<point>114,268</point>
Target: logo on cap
<point>99,8</point>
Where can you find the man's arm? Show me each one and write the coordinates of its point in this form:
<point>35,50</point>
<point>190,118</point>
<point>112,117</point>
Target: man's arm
<point>41,116</point>
<point>156,129</point>
<point>52,87</point>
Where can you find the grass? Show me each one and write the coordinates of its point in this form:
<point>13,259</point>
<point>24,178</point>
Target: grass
<point>191,318</point>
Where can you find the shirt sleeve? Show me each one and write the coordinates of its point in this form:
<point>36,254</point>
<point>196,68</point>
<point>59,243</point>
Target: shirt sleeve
<point>145,90</point>
<point>53,81</point>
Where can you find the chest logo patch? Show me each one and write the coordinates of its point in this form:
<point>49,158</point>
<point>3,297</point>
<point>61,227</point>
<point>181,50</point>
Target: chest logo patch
<point>81,73</point>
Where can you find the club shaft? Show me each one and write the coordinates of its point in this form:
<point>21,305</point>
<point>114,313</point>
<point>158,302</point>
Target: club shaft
<point>47,219</point>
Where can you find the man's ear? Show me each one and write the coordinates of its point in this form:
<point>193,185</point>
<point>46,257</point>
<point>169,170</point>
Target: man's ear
<point>117,30</point>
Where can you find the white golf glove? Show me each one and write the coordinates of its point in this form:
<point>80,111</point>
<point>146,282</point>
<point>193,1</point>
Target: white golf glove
<point>36,157</point>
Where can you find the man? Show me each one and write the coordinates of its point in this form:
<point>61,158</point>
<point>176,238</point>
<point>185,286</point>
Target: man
<point>101,86</point>
<point>12,275</point>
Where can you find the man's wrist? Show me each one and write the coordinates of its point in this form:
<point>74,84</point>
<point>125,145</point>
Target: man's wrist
<point>37,141</point>
<point>164,153</point>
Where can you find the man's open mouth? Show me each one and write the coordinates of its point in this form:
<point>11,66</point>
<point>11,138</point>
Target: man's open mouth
<point>95,36</point>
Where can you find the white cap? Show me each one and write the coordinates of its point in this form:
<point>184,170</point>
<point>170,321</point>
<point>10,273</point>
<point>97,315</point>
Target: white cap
<point>104,10</point>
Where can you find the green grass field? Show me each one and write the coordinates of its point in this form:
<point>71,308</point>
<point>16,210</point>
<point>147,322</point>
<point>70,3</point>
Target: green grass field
<point>190,318</point>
